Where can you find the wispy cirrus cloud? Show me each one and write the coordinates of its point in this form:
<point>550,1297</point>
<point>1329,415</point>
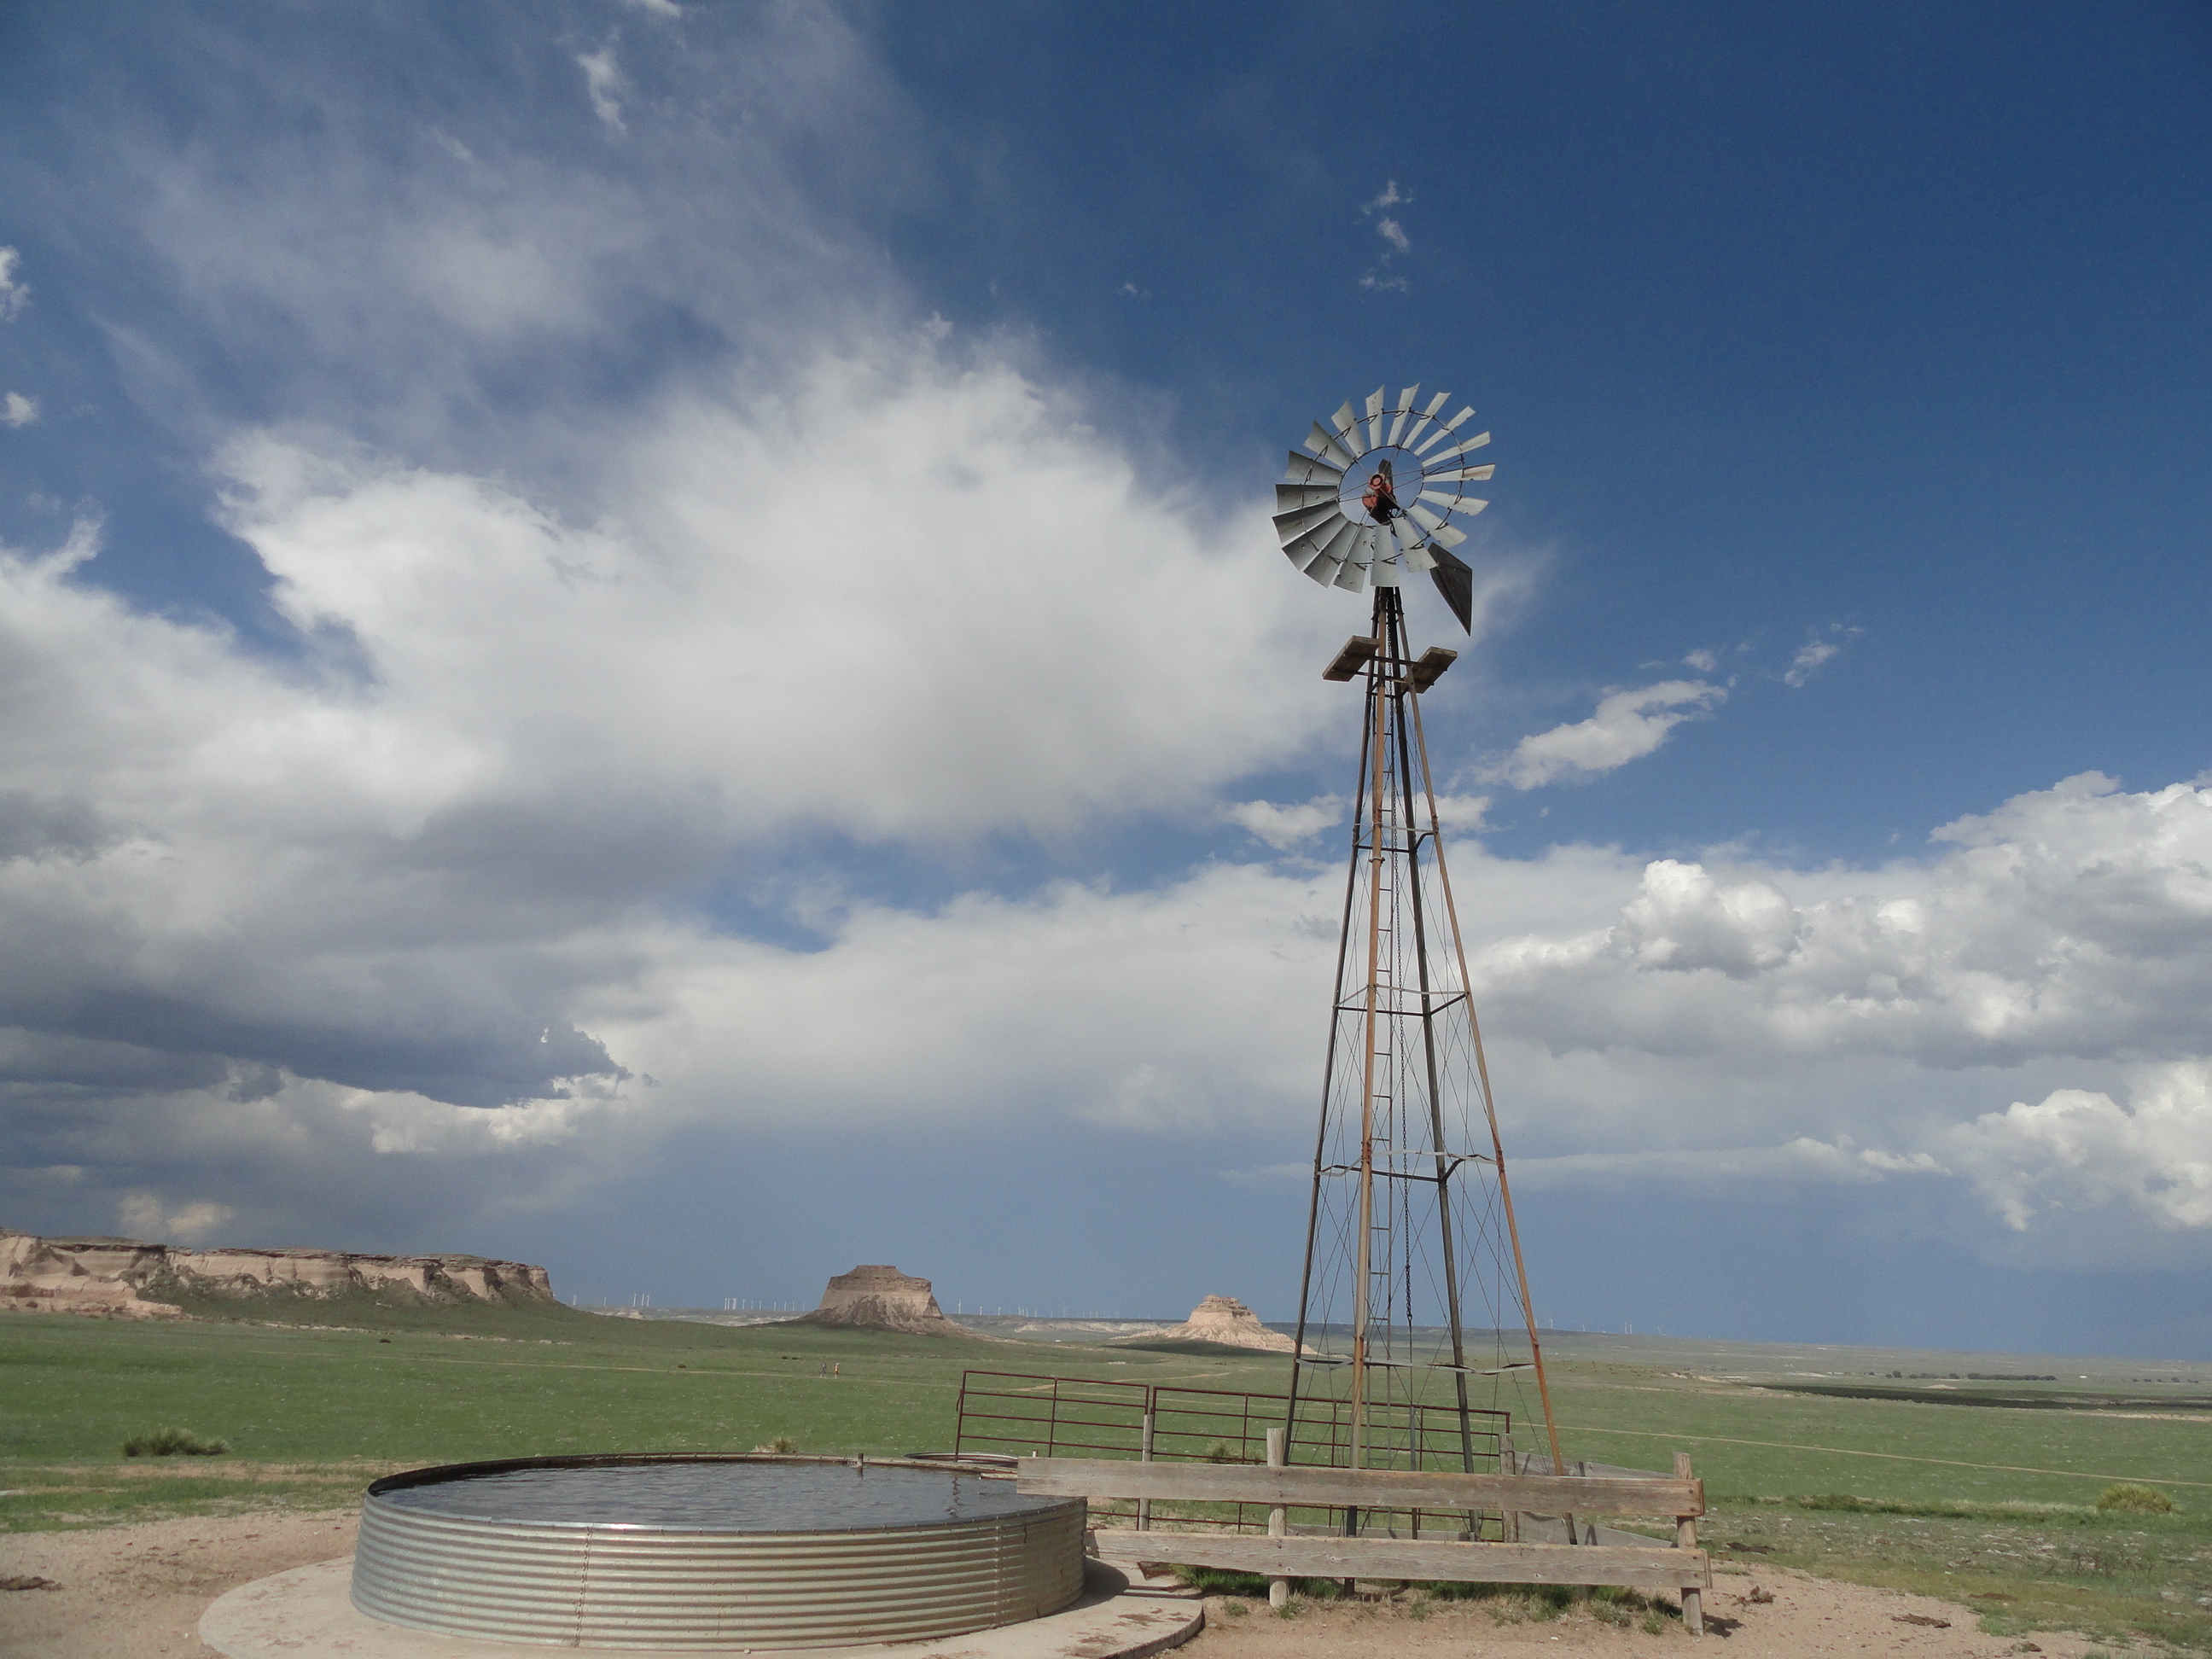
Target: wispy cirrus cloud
<point>1377,277</point>
<point>14,292</point>
<point>604,84</point>
<point>1825,645</point>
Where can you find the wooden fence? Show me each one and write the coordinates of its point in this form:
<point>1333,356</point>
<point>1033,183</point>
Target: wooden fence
<point>1596,1555</point>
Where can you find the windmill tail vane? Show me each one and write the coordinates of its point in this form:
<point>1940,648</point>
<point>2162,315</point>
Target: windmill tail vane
<point>1417,1343</point>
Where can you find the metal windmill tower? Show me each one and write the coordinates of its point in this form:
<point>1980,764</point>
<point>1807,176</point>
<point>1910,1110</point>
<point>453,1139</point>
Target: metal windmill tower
<point>1415,1328</point>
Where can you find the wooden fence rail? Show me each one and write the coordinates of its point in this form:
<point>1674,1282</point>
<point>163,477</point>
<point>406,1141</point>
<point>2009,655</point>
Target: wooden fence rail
<point>1284,1554</point>
<point>1394,1557</point>
<point>1305,1487</point>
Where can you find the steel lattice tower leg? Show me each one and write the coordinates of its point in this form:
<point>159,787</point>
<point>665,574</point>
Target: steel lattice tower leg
<point>1414,1319</point>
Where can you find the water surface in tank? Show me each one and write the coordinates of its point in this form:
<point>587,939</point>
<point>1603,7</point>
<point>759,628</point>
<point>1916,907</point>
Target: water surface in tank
<point>723,1497</point>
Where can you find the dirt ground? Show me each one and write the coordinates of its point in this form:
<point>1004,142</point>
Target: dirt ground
<point>137,1592</point>
<point>1807,1618</point>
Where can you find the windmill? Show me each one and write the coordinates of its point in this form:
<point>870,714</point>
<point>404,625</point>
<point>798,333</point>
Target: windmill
<point>1415,1328</point>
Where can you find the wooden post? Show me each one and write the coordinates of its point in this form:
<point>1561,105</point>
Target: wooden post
<point>1686,1538</point>
<point>1145,1455</point>
<point>1278,1588</point>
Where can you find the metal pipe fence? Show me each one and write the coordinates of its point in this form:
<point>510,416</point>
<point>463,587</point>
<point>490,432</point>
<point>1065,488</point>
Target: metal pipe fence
<point>1022,1414</point>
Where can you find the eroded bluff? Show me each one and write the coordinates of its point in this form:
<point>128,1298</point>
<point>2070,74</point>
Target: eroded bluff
<point>126,1277</point>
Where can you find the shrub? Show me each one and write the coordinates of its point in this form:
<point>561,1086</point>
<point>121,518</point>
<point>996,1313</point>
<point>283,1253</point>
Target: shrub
<point>782,1446</point>
<point>167,1442</point>
<point>2130,1498</point>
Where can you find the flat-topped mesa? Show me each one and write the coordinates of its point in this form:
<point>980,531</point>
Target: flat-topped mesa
<point>883,1298</point>
<point>1225,1319</point>
<point>129,1277</point>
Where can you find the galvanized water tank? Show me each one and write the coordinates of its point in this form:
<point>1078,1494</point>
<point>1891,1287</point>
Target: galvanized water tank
<point>672,1552</point>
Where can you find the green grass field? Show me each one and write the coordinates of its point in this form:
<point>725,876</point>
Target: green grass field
<point>1990,1505</point>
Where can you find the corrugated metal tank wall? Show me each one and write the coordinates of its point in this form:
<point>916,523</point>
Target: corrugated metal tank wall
<point>643,1588</point>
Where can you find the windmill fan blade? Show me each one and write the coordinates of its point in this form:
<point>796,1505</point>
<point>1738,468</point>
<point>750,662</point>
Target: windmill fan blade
<point>1303,551</point>
<point>1448,535</point>
<point>1385,573</point>
<point>1309,469</point>
<point>1352,577</point>
<point>1323,443</point>
<point>1421,516</point>
<point>1452,425</point>
<point>1405,413</point>
<point>1335,543</point>
<point>1460,474</point>
<point>1454,579</point>
<point>1409,539</point>
<point>1426,415</point>
<point>1423,557</point>
<point>1291,497</point>
<point>1347,424</point>
<point>1443,455</point>
<point>1375,418</point>
<point>1289,526</point>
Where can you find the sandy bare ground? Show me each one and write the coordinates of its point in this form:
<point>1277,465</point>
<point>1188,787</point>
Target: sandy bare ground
<point>137,1592</point>
<point>1807,1618</point>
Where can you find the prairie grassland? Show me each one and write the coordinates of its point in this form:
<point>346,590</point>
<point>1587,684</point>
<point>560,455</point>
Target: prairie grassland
<point>1991,1506</point>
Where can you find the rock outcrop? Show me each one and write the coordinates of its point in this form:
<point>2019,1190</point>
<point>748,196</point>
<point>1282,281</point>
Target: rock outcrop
<point>882,1299</point>
<point>1225,1320</point>
<point>124,1276</point>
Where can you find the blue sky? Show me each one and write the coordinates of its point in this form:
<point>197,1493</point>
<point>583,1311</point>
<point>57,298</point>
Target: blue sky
<point>644,636</point>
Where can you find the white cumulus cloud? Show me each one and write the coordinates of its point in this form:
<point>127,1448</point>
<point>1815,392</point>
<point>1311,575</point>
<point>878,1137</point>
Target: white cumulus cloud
<point>18,409</point>
<point>1627,725</point>
<point>2079,1151</point>
<point>143,1215</point>
<point>1285,827</point>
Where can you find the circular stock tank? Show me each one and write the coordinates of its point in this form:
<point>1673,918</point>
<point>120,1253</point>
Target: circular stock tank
<point>671,1553</point>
